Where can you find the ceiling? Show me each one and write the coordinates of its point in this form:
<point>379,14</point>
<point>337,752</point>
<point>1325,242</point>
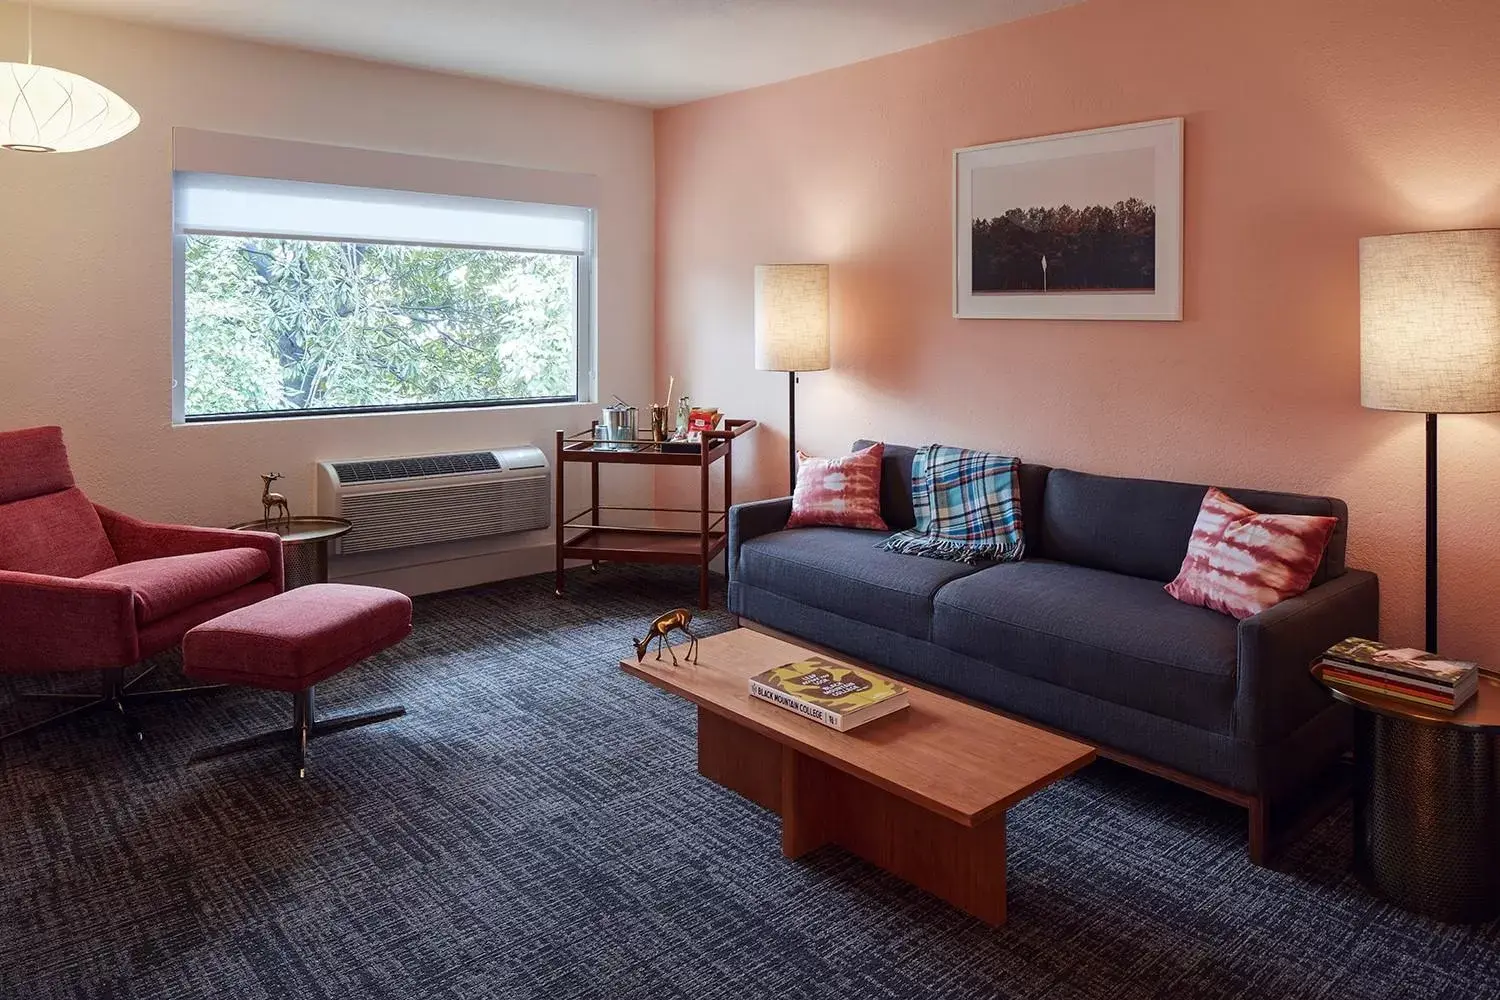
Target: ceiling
<point>651,52</point>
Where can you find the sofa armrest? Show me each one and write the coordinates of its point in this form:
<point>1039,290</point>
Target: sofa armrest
<point>751,520</point>
<point>58,623</point>
<point>1276,691</point>
<point>134,540</point>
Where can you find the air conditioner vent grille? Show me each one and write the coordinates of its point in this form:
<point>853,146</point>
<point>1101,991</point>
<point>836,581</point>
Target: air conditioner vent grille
<point>404,502</point>
<point>382,470</point>
<point>445,514</point>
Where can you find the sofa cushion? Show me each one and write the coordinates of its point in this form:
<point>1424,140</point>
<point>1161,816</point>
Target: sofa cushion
<point>896,502</point>
<point>170,584</point>
<point>1141,527</point>
<point>56,534</point>
<point>895,484</point>
<point>1118,638</point>
<point>844,571</point>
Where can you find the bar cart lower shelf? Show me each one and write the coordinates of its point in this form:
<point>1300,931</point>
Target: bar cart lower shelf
<point>623,544</point>
<point>587,535</point>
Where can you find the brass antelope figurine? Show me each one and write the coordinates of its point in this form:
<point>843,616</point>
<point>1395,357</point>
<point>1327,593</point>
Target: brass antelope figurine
<point>274,501</point>
<point>676,619</point>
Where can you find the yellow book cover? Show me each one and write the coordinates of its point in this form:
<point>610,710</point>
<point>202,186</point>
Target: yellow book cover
<point>833,688</point>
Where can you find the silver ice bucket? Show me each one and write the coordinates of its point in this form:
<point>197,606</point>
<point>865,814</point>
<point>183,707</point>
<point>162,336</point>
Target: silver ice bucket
<point>618,426</point>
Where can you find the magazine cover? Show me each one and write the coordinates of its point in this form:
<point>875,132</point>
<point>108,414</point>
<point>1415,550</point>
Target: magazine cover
<point>1416,662</point>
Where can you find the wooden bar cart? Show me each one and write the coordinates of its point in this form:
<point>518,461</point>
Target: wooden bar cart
<point>586,535</point>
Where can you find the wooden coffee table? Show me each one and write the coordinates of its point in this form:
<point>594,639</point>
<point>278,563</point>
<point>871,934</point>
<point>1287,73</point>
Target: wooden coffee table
<point>921,793</point>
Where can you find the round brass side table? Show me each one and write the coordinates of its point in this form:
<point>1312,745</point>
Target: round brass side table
<point>304,545</point>
<point>1427,802</point>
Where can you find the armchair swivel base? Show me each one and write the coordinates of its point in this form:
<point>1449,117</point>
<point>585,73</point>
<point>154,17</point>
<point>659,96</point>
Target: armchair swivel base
<point>116,695</point>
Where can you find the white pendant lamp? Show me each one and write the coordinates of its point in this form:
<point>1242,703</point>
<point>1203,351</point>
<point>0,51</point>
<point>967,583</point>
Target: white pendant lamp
<point>45,110</point>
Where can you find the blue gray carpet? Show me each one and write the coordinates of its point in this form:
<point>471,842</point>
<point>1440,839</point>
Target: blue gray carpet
<point>536,828</point>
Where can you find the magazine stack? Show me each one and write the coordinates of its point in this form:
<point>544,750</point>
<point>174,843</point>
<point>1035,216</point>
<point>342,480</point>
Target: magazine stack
<point>1410,675</point>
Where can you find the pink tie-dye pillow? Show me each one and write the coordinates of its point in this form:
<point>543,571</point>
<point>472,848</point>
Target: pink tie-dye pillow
<point>839,492</point>
<point>1240,563</point>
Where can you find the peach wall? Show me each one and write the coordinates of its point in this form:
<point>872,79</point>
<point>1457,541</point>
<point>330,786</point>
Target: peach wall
<point>86,267</point>
<point>1308,126</point>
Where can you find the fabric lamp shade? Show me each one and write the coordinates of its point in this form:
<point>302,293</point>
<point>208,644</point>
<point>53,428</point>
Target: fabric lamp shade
<point>1430,321</point>
<point>791,317</point>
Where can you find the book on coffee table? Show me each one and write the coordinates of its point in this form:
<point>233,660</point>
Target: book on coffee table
<point>838,696</point>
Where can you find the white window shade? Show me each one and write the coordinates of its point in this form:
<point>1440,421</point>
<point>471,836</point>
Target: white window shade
<point>251,206</point>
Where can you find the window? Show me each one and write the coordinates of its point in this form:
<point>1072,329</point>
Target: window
<point>298,298</point>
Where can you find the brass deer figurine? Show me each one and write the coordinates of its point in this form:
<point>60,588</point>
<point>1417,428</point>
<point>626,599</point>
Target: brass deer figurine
<point>675,620</point>
<point>274,501</point>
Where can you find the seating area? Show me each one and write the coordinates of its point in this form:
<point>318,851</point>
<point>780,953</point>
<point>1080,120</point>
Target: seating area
<point>83,588</point>
<point>817,500</point>
<point>1081,635</point>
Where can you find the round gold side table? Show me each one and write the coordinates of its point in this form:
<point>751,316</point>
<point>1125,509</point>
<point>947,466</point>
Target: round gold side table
<point>1427,802</point>
<point>304,545</point>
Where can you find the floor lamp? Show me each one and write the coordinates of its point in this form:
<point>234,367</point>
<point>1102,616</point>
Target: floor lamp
<point>791,331</point>
<point>1429,341</point>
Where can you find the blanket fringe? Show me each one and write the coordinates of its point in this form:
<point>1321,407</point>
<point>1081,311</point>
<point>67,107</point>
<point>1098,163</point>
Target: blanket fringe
<point>916,543</point>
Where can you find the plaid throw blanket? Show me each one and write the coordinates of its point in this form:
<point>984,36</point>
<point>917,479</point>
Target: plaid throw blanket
<point>968,507</point>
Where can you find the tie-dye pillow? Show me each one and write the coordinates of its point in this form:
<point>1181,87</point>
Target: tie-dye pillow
<point>1240,563</point>
<point>839,492</point>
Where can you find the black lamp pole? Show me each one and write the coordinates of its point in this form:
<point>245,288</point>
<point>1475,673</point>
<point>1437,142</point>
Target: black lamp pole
<point>1432,534</point>
<point>791,431</point>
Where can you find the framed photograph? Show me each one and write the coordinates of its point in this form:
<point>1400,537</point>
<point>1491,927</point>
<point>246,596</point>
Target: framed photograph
<point>1084,225</point>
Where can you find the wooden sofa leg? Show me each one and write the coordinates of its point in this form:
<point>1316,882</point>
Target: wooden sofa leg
<point>1295,813</point>
<point>1260,831</point>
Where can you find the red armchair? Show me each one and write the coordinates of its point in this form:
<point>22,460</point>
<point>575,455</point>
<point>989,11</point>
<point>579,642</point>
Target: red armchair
<point>85,588</point>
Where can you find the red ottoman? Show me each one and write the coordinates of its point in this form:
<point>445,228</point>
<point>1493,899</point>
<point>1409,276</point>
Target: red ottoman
<point>292,641</point>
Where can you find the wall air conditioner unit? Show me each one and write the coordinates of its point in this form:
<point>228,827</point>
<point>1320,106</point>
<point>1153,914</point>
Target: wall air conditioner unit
<point>398,502</point>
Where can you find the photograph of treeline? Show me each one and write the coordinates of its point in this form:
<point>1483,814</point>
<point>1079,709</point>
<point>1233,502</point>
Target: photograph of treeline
<point>1098,248</point>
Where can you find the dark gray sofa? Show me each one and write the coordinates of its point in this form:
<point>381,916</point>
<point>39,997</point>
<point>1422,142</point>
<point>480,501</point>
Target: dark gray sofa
<point>1080,636</point>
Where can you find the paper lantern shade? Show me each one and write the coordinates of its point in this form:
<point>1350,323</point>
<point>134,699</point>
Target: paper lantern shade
<point>46,110</point>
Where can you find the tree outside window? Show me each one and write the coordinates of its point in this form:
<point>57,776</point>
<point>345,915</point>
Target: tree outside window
<point>290,325</point>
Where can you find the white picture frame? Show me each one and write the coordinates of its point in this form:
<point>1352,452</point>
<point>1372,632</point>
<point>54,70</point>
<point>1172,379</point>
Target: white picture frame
<point>1010,197</point>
